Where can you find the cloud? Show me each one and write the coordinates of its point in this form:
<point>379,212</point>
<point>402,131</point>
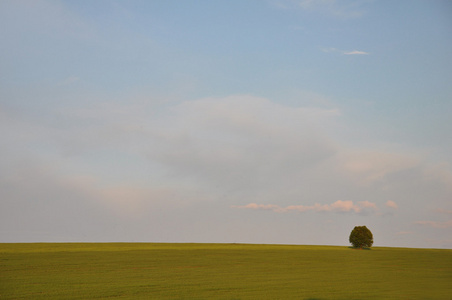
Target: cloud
<point>338,206</point>
<point>368,167</point>
<point>41,201</point>
<point>443,211</point>
<point>356,52</point>
<point>392,204</point>
<point>137,160</point>
<point>262,207</point>
<point>236,147</point>
<point>344,52</point>
<point>241,142</point>
<point>439,172</point>
<point>329,50</point>
<point>367,204</point>
<point>345,206</point>
<point>435,224</point>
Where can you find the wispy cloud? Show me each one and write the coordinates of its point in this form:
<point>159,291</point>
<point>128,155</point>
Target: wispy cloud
<point>368,167</point>
<point>439,172</point>
<point>329,50</point>
<point>444,211</point>
<point>435,224</point>
<point>392,204</point>
<point>338,206</point>
<point>69,80</point>
<point>239,150</point>
<point>356,52</point>
<point>367,204</point>
<point>344,52</point>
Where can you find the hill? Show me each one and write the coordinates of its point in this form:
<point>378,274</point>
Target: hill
<point>221,271</point>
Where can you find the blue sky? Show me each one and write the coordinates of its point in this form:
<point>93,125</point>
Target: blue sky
<point>279,121</point>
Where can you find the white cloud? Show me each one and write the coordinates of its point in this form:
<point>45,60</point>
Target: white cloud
<point>241,142</point>
<point>338,206</point>
<point>344,52</point>
<point>392,204</point>
<point>329,50</point>
<point>356,52</point>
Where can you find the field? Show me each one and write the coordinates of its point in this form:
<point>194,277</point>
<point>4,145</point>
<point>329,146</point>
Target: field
<point>221,271</point>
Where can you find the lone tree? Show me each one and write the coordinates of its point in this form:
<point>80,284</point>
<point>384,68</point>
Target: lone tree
<point>361,237</point>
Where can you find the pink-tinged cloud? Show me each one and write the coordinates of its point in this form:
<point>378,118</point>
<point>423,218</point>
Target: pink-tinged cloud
<point>302,208</point>
<point>392,204</point>
<point>444,211</point>
<point>338,206</point>
<point>367,204</point>
<point>345,206</point>
<point>261,206</point>
<point>435,224</point>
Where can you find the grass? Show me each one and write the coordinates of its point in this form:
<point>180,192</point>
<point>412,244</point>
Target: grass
<point>221,271</point>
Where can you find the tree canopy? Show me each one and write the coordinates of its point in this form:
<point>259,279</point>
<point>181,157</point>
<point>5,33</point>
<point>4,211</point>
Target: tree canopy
<point>361,237</point>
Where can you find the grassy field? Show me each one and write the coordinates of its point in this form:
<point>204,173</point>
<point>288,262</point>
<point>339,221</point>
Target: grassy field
<point>221,271</point>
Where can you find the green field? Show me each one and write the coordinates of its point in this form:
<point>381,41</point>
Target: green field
<point>221,271</point>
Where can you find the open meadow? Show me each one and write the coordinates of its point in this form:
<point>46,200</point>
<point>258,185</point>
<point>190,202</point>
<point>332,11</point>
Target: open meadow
<point>221,271</point>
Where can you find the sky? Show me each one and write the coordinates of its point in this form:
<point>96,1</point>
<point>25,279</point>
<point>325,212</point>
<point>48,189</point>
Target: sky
<point>258,121</point>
